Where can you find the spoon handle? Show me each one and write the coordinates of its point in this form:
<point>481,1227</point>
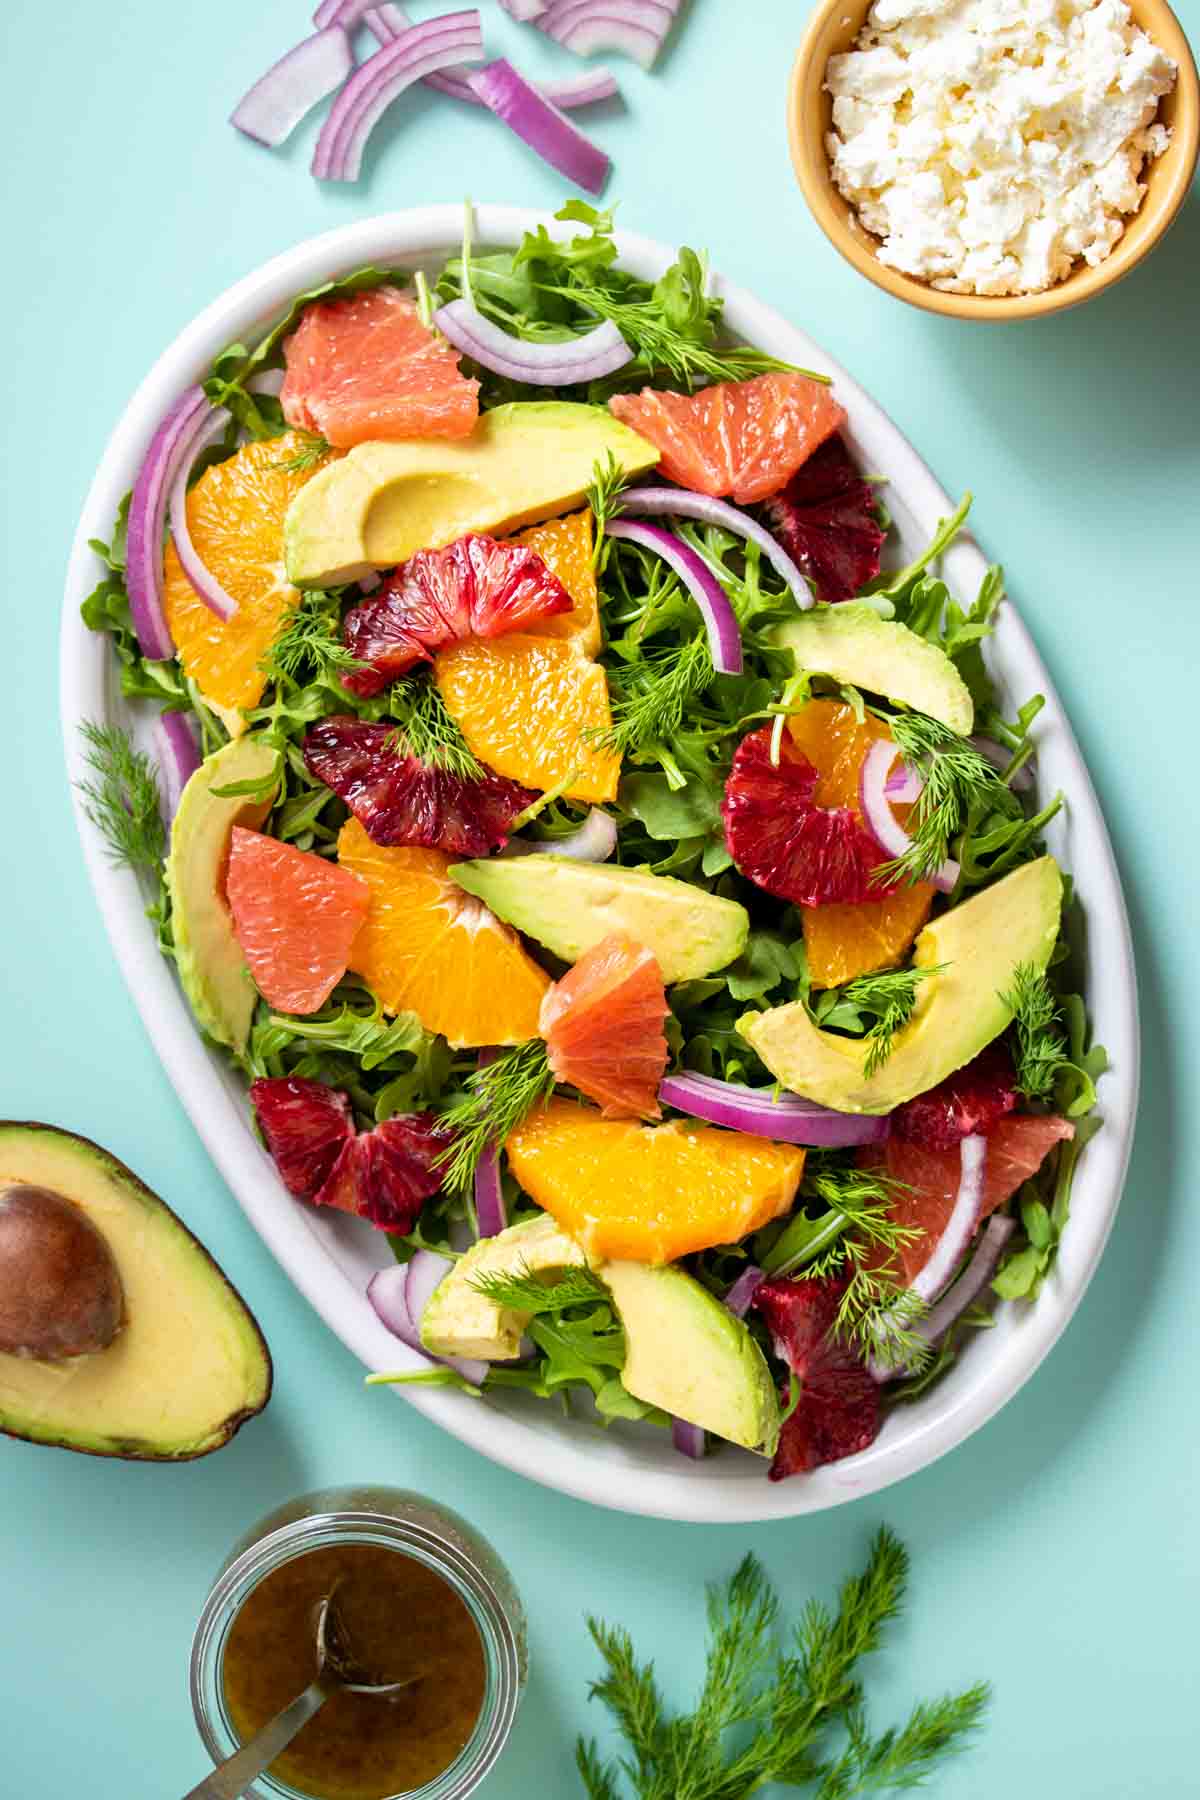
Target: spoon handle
<point>234,1775</point>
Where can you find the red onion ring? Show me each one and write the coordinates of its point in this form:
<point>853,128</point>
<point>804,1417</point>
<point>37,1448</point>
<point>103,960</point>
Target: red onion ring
<point>955,1300</point>
<point>435,44</point>
<point>214,596</point>
<point>737,1300</point>
<point>345,13</point>
<point>882,822</point>
<point>490,1214</point>
<point>388,21</point>
<point>679,502</point>
<point>595,841</point>
<point>1000,758</point>
<point>523,11</point>
<point>791,1119</point>
<point>599,352</point>
<point>147,523</point>
<point>688,1439</point>
<point>724,637</point>
<point>636,27</point>
<point>271,110</point>
<point>178,758</point>
<point>388,1292</point>
<point>962,1223</point>
<point>541,125</point>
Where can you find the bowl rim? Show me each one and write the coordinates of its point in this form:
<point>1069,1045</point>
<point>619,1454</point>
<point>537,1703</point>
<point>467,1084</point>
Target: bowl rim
<point>1082,284</point>
<point>326,1264</point>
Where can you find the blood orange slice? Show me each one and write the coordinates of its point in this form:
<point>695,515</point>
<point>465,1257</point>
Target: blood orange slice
<point>385,1175</point>
<point>305,1124</point>
<point>603,1028</point>
<point>825,518</point>
<point>475,587</point>
<point>743,438</point>
<point>402,800</point>
<point>1016,1148</point>
<point>295,916</point>
<point>837,1412</point>
<point>366,367</point>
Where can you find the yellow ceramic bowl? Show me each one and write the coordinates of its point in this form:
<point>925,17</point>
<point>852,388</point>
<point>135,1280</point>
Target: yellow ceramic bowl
<point>834,26</point>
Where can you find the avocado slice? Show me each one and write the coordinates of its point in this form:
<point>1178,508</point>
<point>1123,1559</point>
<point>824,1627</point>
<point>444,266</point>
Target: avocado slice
<point>188,1365</point>
<point>570,906</point>
<point>852,643</point>
<point>981,944</point>
<point>684,1351</point>
<point>460,1321</point>
<point>689,1355</point>
<point>523,463</point>
<point>207,954</point>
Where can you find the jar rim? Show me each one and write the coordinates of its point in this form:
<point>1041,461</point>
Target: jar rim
<point>502,1653</point>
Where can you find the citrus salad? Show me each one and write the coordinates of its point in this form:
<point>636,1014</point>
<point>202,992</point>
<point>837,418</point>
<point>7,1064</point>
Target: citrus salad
<point>617,884</point>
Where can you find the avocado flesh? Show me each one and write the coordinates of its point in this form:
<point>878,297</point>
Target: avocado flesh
<point>460,1321</point>
<point>853,644</point>
<point>982,943</point>
<point>686,1353</point>
<point>570,906</point>
<point>189,1365</point>
<point>207,954</point>
<point>523,463</point>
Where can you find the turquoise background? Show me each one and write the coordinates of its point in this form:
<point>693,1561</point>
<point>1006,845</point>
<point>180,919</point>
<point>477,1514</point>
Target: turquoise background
<point>1056,1552</point>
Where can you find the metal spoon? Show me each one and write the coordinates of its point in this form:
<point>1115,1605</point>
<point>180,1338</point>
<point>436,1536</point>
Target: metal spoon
<point>337,1672</point>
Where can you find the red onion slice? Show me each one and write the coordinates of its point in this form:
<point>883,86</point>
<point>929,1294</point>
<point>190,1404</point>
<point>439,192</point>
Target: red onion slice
<point>791,1119</point>
<point>388,21</point>
<point>595,841</point>
<point>635,27</point>
<point>345,13</point>
<point>1000,758</point>
<point>955,1300</point>
<point>422,1275</point>
<point>599,352</point>
<point>724,637</point>
<point>688,1439</point>
<point>653,502</point>
<point>962,1223</point>
<point>737,1300</point>
<point>148,519</point>
<point>178,758</point>
<point>388,1293</point>
<point>541,125</point>
<point>271,110</point>
<point>214,596</point>
<point>882,822</point>
<point>903,786</point>
<point>490,1214</point>
<point>454,38</point>
<point>524,10</point>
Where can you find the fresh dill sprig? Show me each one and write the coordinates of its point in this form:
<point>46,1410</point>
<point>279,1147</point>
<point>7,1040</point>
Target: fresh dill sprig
<point>525,1291</point>
<point>661,347</point>
<point>783,1702</point>
<point>1040,1051</point>
<point>498,1097</point>
<point>308,645</point>
<point>956,778</point>
<point>891,996</point>
<point>608,482</point>
<point>122,800</point>
<point>651,697</point>
<point>859,1205</point>
<point>314,448</point>
<point>877,1314</point>
<point>424,729</point>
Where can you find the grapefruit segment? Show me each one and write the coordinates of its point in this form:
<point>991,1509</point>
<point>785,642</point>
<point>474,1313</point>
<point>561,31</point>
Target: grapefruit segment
<point>603,1028</point>
<point>365,367</point>
<point>296,917</point>
<point>475,587</point>
<point>1016,1148</point>
<point>525,704</point>
<point>649,1193</point>
<point>429,948</point>
<point>743,438</point>
<point>235,515</point>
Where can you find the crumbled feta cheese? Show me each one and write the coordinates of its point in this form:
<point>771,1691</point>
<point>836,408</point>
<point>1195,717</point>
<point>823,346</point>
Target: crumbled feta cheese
<point>992,143</point>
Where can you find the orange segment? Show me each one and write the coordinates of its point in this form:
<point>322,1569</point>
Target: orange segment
<point>523,704</point>
<point>650,1193</point>
<point>428,948</point>
<point>565,546</point>
<point>843,941</point>
<point>235,516</point>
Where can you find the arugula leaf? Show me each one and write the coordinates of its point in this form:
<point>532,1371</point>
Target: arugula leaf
<point>764,1715</point>
<point>768,959</point>
<point>669,813</point>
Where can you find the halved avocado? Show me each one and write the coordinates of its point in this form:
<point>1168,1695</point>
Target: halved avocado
<point>207,954</point>
<point>188,1364</point>
<point>524,462</point>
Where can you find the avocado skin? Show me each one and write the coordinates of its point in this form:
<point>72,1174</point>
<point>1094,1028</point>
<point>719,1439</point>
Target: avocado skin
<point>569,907</point>
<point>957,1014</point>
<point>117,1445</point>
<point>851,643</point>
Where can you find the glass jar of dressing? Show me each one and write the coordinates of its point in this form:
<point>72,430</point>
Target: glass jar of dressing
<point>423,1599</point>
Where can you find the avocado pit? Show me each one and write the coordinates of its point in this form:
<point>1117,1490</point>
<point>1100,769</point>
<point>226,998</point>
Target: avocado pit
<point>61,1293</point>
